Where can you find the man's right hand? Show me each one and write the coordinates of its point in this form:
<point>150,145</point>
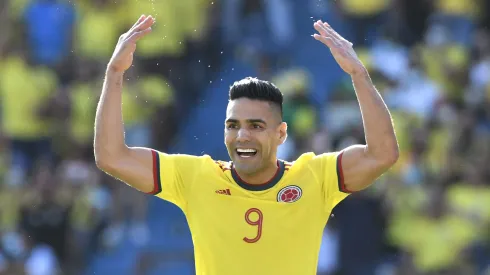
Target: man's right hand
<point>122,58</point>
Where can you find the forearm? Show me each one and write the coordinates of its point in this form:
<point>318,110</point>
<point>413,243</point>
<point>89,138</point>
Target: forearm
<point>378,127</point>
<point>109,127</point>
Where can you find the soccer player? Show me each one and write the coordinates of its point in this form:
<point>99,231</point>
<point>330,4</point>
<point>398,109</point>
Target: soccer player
<point>255,214</point>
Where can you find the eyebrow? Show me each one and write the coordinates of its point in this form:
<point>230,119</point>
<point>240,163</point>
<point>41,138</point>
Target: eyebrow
<point>252,120</point>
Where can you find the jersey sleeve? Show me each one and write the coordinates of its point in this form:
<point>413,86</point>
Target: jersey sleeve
<point>173,175</point>
<point>328,169</point>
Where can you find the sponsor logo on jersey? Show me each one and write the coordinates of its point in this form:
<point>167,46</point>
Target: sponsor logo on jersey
<point>223,192</point>
<point>289,194</point>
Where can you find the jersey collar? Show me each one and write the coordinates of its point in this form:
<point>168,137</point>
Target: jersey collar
<point>259,187</point>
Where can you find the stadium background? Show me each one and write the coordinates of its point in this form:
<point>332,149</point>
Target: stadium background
<point>430,59</point>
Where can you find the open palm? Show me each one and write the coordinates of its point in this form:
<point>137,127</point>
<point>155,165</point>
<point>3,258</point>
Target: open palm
<point>122,58</point>
<point>340,48</point>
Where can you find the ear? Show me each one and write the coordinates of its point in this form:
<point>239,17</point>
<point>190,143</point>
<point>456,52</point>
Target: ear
<point>283,132</point>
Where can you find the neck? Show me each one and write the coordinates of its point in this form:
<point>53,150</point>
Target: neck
<point>262,176</point>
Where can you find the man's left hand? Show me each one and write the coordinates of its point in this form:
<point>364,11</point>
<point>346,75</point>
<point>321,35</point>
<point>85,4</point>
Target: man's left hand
<point>341,48</point>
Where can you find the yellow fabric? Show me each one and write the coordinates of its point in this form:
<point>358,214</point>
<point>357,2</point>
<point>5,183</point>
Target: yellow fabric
<point>82,212</point>
<point>361,8</point>
<point>436,62</point>
<point>472,202</point>
<point>434,243</point>
<point>218,221</point>
<point>133,109</point>
<point>17,8</point>
<point>467,8</point>
<point>432,62</point>
<point>292,81</point>
<point>167,38</point>
<point>195,12</point>
<point>157,89</point>
<point>98,32</point>
<point>23,90</point>
<point>84,101</point>
<point>438,144</point>
<point>9,209</point>
<point>403,123</point>
<point>140,99</point>
<point>304,120</point>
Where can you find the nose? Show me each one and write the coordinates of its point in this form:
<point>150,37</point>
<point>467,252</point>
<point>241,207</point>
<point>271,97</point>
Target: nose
<point>243,135</point>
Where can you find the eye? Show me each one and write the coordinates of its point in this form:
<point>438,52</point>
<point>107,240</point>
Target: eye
<point>231,126</point>
<point>257,126</point>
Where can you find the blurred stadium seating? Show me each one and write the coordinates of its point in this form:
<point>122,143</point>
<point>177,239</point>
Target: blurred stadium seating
<point>430,60</point>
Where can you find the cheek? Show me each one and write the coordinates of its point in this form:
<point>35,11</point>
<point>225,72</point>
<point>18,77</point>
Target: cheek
<point>266,143</point>
<point>228,138</point>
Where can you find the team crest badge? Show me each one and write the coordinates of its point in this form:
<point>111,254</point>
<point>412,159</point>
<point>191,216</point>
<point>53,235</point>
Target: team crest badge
<point>289,194</point>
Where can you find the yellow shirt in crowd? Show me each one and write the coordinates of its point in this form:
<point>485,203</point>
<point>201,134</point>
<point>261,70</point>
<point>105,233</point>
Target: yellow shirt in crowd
<point>84,97</point>
<point>141,98</point>
<point>468,8</point>
<point>23,90</point>
<point>362,8</point>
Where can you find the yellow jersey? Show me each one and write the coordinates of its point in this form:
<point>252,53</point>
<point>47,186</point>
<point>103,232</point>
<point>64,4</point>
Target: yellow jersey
<point>238,228</point>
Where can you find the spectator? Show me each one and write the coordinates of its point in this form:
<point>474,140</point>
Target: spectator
<point>49,28</point>
<point>365,20</point>
<point>27,120</point>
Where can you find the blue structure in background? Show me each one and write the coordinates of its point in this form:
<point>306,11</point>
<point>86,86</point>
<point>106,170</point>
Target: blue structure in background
<point>169,230</point>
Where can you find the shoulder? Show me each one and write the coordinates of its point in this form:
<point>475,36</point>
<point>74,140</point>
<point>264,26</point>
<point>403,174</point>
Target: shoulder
<point>181,157</point>
<point>318,164</point>
<point>181,161</point>
<point>311,158</point>
<point>223,165</point>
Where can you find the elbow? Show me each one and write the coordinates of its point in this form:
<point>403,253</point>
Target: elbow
<point>105,160</point>
<point>385,157</point>
<point>102,163</point>
<point>390,157</point>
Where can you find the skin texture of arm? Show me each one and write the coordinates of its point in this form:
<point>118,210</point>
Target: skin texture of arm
<point>132,165</point>
<point>362,164</point>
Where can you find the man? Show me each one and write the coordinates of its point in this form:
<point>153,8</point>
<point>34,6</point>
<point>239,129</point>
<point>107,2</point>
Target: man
<point>256,214</point>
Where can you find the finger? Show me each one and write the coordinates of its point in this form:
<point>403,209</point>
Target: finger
<point>145,24</point>
<point>142,17</point>
<point>328,41</point>
<point>327,30</point>
<point>332,31</point>
<point>138,35</point>
<point>318,26</point>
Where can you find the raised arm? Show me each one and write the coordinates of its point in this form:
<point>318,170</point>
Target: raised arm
<point>133,166</point>
<point>362,164</point>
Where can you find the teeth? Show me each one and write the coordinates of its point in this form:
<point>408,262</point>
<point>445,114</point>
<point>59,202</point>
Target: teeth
<point>246,150</point>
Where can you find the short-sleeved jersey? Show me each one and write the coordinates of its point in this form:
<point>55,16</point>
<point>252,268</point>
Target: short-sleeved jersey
<point>239,228</point>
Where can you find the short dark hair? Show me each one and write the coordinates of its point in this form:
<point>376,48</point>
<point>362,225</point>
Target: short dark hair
<point>254,88</point>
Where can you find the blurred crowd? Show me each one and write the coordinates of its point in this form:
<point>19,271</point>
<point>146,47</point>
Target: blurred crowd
<point>430,60</point>
<point>430,214</point>
<point>56,208</point>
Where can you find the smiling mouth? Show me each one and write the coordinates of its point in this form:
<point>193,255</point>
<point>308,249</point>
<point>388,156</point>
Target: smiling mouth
<point>246,153</point>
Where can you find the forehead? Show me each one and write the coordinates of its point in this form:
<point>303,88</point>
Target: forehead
<point>244,108</point>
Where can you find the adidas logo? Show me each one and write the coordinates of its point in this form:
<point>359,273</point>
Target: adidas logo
<point>223,192</point>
